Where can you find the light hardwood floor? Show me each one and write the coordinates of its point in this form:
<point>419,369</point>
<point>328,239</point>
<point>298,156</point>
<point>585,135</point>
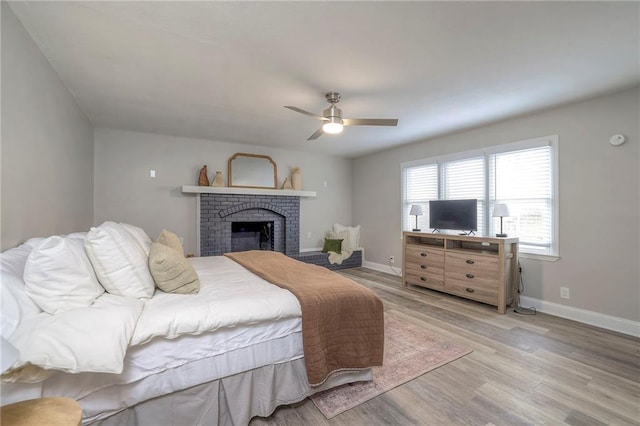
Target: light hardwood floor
<point>523,369</point>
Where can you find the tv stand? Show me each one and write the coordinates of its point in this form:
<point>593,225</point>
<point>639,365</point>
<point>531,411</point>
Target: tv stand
<point>468,233</point>
<point>484,269</point>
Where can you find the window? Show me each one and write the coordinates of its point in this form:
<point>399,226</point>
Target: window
<point>521,175</point>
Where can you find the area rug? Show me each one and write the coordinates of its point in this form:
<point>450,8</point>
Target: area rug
<point>409,352</point>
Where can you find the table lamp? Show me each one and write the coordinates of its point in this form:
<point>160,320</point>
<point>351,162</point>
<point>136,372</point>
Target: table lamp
<point>416,211</point>
<point>500,210</point>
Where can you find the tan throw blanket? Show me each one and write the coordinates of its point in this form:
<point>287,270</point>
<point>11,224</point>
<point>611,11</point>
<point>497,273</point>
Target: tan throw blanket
<point>342,321</point>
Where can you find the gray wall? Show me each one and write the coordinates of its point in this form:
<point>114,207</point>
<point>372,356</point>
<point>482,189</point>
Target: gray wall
<point>47,145</point>
<point>599,200</point>
<point>125,192</point>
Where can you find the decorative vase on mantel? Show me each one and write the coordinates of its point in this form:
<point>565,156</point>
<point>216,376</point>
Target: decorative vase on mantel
<point>296,178</point>
<point>203,179</point>
<point>218,180</point>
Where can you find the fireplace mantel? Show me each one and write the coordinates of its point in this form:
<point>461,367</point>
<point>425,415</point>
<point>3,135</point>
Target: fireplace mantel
<point>191,189</point>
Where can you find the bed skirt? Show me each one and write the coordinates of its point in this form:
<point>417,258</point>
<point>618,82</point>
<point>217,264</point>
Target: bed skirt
<point>232,400</point>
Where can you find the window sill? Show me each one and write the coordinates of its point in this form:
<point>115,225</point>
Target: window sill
<point>543,257</point>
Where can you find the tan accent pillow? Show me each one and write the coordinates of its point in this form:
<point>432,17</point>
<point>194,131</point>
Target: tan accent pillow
<point>171,271</point>
<point>170,239</point>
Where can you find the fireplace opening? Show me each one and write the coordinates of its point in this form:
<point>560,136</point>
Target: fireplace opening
<point>251,236</point>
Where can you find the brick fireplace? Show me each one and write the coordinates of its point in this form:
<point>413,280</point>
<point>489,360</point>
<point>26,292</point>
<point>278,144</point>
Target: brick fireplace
<point>250,214</point>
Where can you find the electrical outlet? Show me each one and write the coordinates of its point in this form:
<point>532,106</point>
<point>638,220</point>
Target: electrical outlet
<point>564,292</point>
<point>309,234</point>
<point>392,259</point>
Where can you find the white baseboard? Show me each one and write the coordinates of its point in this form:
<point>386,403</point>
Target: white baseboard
<point>609,322</point>
<point>382,268</point>
<point>621,325</point>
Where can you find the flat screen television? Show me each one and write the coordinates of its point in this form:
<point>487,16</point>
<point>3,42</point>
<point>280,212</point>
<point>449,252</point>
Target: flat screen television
<point>461,215</point>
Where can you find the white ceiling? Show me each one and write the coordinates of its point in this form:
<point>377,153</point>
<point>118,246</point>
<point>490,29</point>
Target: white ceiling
<point>223,70</point>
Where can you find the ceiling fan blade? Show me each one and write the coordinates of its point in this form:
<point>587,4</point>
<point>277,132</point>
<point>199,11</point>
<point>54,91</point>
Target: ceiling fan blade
<point>317,134</point>
<point>370,121</point>
<point>301,111</point>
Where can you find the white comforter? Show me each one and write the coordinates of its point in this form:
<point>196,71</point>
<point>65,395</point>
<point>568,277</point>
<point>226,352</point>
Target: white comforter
<point>229,295</point>
<point>96,338</point>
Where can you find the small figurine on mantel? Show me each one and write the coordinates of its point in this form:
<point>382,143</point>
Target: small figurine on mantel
<point>218,180</point>
<point>286,184</point>
<point>203,179</point>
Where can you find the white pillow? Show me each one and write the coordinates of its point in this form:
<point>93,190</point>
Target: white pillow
<point>120,263</point>
<point>15,304</point>
<point>59,277</point>
<point>354,234</point>
<point>139,235</point>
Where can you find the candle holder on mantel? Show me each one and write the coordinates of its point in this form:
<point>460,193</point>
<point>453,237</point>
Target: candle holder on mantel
<point>286,184</point>
<point>218,180</point>
<point>203,179</point>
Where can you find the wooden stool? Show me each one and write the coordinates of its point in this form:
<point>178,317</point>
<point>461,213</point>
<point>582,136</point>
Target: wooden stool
<point>42,411</point>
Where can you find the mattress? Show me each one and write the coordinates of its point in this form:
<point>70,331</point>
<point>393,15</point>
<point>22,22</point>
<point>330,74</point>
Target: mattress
<point>237,322</point>
<point>252,350</point>
<point>165,366</point>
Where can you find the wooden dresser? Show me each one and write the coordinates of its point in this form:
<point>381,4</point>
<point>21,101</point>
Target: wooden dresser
<point>484,269</point>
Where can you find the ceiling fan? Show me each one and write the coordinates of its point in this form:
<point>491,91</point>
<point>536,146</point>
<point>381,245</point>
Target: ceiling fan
<point>333,121</point>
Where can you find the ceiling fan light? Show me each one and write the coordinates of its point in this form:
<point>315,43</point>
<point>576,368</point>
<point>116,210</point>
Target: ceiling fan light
<point>333,126</point>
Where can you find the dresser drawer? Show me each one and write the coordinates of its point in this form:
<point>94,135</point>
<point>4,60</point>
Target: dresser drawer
<point>481,267</point>
<point>431,280</point>
<point>424,266</point>
<point>475,290</point>
<point>473,276</point>
<point>417,254</point>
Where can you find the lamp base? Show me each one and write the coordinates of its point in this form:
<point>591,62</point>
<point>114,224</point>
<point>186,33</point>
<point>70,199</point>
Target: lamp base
<point>501,235</point>
<point>416,230</point>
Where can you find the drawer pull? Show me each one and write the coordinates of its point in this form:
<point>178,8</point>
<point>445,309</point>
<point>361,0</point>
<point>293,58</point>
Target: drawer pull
<point>423,254</point>
<point>470,262</point>
<point>469,275</point>
<point>469,290</point>
<point>423,279</point>
<point>423,266</point>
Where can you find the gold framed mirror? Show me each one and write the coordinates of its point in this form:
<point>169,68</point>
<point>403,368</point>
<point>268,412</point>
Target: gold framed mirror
<point>252,171</point>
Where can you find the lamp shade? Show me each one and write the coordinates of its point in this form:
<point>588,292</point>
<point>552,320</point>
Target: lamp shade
<point>500,210</point>
<point>416,210</point>
<point>8,354</point>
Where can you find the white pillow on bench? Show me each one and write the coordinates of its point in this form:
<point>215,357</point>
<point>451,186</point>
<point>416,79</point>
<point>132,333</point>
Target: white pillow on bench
<point>354,235</point>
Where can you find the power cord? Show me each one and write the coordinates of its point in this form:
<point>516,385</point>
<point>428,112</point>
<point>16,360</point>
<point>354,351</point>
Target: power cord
<point>521,309</point>
<point>398,274</point>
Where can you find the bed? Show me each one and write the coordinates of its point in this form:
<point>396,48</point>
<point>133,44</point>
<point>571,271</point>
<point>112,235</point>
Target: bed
<point>234,350</point>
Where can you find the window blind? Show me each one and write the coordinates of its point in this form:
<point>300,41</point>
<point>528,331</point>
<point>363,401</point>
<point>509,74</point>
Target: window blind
<point>420,184</point>
<point>523,180</point>
<point>465,179</point>
<point>521,175</point>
